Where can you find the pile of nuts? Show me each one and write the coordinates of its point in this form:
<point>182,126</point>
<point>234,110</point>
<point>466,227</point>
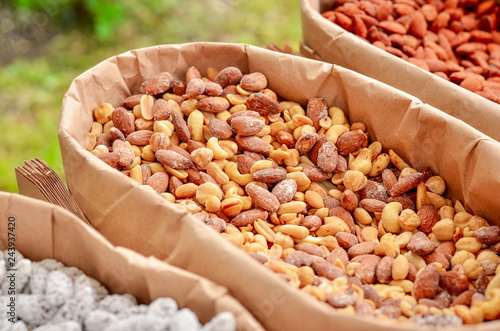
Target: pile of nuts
<point>454,39</point>
<point>307,195</point>
<point>52,297</point>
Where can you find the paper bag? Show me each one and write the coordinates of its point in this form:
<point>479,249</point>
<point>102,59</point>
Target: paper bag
<point>45,231</point>
<point>134,217</point>
<point>336,45</point>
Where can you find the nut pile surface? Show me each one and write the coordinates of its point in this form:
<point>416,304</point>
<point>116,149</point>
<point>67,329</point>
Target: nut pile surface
<point>454,39</point>
<point>307,195</point>
<point>52,297</point>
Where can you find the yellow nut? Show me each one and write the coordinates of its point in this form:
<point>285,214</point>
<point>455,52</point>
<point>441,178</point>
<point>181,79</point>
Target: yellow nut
<point>362,162</point>
<point>165,127</point>
<point>334,132</point>
<point>379,164</point>
<point>212,204</point>
<point>314,199</point>
<point>472,268</point>
<point>89,141</point>
<point>107,127</point>
<point>136,174</point>
<point>369,233</point>
<point>397,160</point>
<point>301,179</point>
<point>390,215</point>
<point>156,167</point>
<point>291,207</point>
<point>444,229</point>
<point>202,157</point>
<point>265,230</point>
<point>169,197</point>
<point>229,146</point>
<point>354,180</point>
<point>231,170</point>
<point>337,115</point>
<point>186,190</point>
<point>102,114</point>
<point>219,153</point>
<point>295,231</point>
<point>436,184</point>
<point>231,206</point>
<point>460,257</point>
<point>332,226</point>
<point>400,268</point>
<point>415,259</point>
<point>376,148</point>
<point>488,260</point>
<point>461,219</point>
<point>361,216</point>
<point>469,244</point>
<point>404,284</point>
<point>96,129</point>
<point>260,165</point>
<point>403,239</point>
<point>473,315</point>
<point>195,123</point>
<point>386,248</point>
<point>284,240</point>
<point>207,190</point>
<point>446,212</point>
<point>408,220</point>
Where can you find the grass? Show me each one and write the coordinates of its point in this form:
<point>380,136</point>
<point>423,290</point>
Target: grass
<point>32,88</point>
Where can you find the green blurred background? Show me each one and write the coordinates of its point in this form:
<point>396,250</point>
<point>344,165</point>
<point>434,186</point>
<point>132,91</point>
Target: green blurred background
<point>46,44</point>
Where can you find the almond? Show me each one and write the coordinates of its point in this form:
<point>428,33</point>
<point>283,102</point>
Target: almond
<point>103,139</point>
<point>349,200</point>
<point>194,176</point>
<point>132,101</point>
<point>315,174</point>
<point>123,150</point>
<point>342,300</point>
<point>249,217</point>
<point>374,190</point>
<point>253,144</point>
<point>405,184</point>
<point>110,159</point>
<point>115,134</point>
<point>311,249</point>
<point>305,143</point>
<point>250,113</point>
<point>140,138</point>
<point>213,89</point>
<point>429,216</point>
<point>372,205</point>
<point>464,298</point>
<point>195,87</point>
<point>245,163</point>
<point>316,110</point>
<point>371,294</point>
<point>363,248</point>
<point>384,269</point>
<point>366,271</point>
<point>180,151</point>
<point>311,222</point>
<point>269,176</point>
<point>247,125</point>
<point>285,190</point>
<point>157,84</point>
<point>123,120</point>
<point>220,129</point>
<point>426,283</point>
<point>327,157</point>
<point>392,27</point>
<point>389,179</point>
<point>173,159</point>
<point>262,197</point>
<point>298,259</point>
<point>161,110</point>
<point>192,73</point>
<point>193,145</point>
<point>326,269</point>
<point>159,182</point>
<point>488,235</point>
<point>350,141</point>
<point>218,224</point>
<point>315,150</point>
<point>454,282</point>
<point>213,104</point>
<point>419,25</point>
<point>228,76</point>
<point>405,201</point>
<point>254,82</point>
<point>331,202</point>
<point>263,104</point>
<point>437,257</point>
<point>338,254</point>
<point>346,240</point>
<point>420,244</point>
<point>341,164</point>
<point>179,87</point>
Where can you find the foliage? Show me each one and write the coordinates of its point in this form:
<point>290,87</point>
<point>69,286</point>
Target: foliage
<point>32,89</point>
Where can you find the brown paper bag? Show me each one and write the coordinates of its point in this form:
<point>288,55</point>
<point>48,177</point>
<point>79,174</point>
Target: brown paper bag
<point>136,218</point>
<point>45,231</point>
<point>335,45</point>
